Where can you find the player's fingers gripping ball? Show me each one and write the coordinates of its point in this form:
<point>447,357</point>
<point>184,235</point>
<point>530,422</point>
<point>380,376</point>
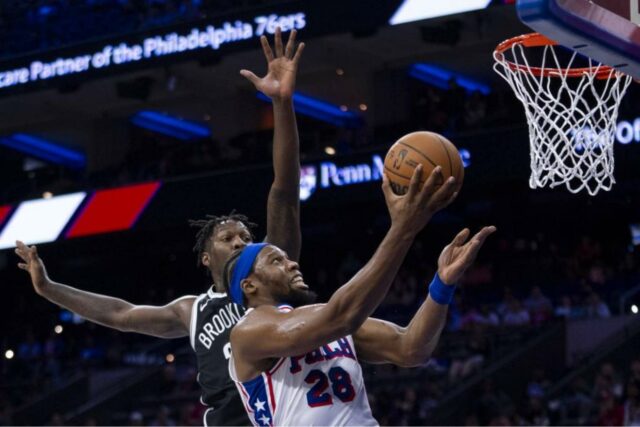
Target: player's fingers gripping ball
<point>427,148</point>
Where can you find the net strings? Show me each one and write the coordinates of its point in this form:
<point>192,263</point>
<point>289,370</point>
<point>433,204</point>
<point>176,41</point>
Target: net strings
<point>571,120</point>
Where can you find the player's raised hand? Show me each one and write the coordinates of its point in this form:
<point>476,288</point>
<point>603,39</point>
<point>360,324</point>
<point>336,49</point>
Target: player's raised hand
<point>458,255</point>
<point>415,208</point>
<point>33,265</point>
<point>280,81</point>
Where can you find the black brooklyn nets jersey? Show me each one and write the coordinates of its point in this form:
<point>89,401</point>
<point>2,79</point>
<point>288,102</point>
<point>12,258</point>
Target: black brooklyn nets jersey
<point>212,317</point>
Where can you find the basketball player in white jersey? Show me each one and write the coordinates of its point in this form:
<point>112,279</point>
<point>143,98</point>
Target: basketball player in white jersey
<point>300,366</point>
<point>208,318</point>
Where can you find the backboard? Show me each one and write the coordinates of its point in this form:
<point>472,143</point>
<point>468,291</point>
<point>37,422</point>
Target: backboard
<point>607,31</point>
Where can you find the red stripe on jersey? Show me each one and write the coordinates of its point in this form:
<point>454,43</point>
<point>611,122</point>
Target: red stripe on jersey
<point>245,401</point>
<point>271,396</point>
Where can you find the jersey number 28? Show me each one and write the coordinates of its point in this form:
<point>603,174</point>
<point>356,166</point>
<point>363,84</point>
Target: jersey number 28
<point>340,385</point>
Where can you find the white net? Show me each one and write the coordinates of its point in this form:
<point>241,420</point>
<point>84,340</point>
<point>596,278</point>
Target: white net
<point>571,112</point>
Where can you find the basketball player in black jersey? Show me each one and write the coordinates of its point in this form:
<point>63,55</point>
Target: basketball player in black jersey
<point>207,319</point>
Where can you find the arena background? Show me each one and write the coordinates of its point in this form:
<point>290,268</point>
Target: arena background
<point>544,328</point>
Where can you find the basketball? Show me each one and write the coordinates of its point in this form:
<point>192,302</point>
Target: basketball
<point>427,148</point>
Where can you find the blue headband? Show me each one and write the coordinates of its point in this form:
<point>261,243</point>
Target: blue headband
<point>242,269</point>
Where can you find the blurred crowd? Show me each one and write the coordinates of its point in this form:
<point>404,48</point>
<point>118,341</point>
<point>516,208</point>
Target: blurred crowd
<point>153,156</point>
<point>456,109</point>
<point>455,112</point>
<point>610,398</point>
<point>28,26</point>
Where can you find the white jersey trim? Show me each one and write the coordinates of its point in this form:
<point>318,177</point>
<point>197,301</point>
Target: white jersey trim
<point>213,294</point>
<point>204,417</point>
<point>194,318</point>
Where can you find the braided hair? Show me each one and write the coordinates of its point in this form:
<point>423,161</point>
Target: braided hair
<point>207,228</point>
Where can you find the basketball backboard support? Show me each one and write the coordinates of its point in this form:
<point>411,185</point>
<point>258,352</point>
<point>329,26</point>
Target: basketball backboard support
<point>607,31</point>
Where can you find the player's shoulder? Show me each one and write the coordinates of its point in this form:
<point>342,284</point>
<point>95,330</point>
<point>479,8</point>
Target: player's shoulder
<point>256,319</point>
<point>266,315</point>
<point>184,302</point>
<point>212,302</point>
<point>187,303</point>
<point>216,298</point>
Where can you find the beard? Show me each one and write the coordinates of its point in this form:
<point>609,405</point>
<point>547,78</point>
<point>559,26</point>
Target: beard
<point>298,297</point>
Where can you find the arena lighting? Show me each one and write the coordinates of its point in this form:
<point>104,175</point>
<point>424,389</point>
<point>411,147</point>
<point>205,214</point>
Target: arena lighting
<point>634,309</point>
<point>153,127</point>
<point>170,126</point>
<point>41,220</point>
<point>113,209</point>
<point>635,233</point>
<point>628,131</point>
<point>329,174</point>
<point>440,77</point>
<point>44,150</point>
<point>4,213</point>
<point>9,354</point>
<point>58,329</point>
<point>121,52</point>
<point>321,110</point>
<point>466,157</point>
<point>416,10</point>
<point>69,317</point>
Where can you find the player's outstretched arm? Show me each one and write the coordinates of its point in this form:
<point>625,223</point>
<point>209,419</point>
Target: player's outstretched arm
<point>379,341</point>
<point>306,328</point>
<point>283,206</point>
<point>169,321</point>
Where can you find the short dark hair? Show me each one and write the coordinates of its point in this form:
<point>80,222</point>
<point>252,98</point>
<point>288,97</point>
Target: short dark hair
<point>207,227</point>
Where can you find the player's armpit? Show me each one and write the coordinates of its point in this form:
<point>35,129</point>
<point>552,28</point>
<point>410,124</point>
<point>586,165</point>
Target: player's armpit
<point>378,341</point>
<point>168,321</point>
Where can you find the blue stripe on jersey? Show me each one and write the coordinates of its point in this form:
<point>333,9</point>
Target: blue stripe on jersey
<point>258,401</point>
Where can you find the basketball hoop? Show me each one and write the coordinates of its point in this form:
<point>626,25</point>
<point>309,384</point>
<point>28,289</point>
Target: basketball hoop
<point>571,112</point>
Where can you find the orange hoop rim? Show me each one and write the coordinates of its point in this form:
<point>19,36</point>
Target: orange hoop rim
<point>539,40</point>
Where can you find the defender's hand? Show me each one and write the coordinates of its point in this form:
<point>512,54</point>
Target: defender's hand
<point>33,265</point>
<point>414,209</point>
<point>280,81</point>
<point>457,256</point>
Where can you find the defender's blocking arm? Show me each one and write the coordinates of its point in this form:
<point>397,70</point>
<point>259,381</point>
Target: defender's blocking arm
<point>169,321</point>
<point>283,205</point>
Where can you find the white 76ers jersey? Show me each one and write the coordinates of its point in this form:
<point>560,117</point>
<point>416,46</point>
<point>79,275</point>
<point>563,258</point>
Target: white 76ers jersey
<point>324,387</point>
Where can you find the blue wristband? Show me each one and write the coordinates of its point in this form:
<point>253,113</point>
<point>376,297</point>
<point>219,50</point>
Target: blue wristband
<point>440,292</point>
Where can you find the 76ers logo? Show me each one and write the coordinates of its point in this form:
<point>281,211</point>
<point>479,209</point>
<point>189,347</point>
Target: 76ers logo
<point>397,163</point>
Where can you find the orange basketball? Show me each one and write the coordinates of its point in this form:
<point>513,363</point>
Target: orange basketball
<point>427,148</point>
